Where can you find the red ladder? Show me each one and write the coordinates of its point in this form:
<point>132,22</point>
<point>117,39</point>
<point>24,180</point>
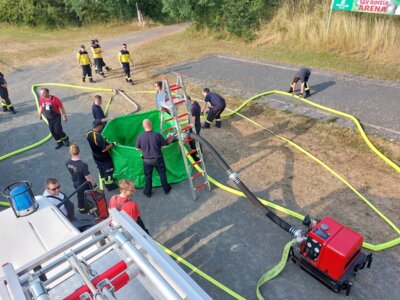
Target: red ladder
<point>175,99</point>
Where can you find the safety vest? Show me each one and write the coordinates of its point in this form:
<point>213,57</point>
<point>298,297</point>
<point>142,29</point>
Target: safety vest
<point>97,52</point>
<point>83,58</point>
<point>124,56</point>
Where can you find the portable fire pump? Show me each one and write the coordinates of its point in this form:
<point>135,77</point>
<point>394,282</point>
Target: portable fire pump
<point>328,250</point>
<point>332,253</point>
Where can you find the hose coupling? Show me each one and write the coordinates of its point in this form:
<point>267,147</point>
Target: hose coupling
<point>233,176</point>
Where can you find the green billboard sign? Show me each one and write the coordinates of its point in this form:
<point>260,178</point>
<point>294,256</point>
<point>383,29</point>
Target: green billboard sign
<point>388,7</point>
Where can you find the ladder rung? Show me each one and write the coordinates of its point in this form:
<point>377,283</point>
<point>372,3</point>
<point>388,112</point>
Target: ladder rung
<point>170,119</point>
<point>186,127</point>
<point>175,87</point>
<point>200,185</point>
<point>197,175</point>
<point>188,140</point>
<point>168,129</point>
<point>195,163</point>
<point>192,152</point>
<point>183,115</point>
<point>179,102</point>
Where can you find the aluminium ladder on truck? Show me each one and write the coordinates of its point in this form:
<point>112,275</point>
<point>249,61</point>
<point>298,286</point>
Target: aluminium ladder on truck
<point>174,98</point>
<point>114,259</point>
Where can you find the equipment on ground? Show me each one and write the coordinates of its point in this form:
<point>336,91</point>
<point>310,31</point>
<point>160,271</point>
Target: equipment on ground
<point>332,253</point>
<point>113,259</point>
<point>175,97</point>
<point>328,250</point>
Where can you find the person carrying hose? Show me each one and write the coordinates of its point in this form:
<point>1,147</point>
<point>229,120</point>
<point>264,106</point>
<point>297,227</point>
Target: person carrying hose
<point>125,61</point>
<point>85,63</point>
<point>303,75</point>
<point>218,105</point>
<point>53,110</point>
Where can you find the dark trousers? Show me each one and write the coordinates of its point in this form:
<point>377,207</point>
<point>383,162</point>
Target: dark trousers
<point>148,165</point>
<point>215,113</point>
<point>127,70</point>
<point>86,70</point>
<point>192,143</point>
<point>106,170</point>
<point>81,194</point>
<point>99,64</point>
<point>56,130</point>
<point>5,102</point>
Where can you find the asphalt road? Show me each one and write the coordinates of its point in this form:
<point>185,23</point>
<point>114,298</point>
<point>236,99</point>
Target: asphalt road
<point>374,102</point>
<point>220,233</point>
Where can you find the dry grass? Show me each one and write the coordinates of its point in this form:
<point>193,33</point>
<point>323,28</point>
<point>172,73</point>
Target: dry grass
<point>23,45</point>
<point>352,36</point>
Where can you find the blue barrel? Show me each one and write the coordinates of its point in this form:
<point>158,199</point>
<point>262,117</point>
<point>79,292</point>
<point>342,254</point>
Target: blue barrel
<point>21,197</point>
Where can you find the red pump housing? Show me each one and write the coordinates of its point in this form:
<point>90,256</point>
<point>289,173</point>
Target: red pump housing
<point>332,247</point>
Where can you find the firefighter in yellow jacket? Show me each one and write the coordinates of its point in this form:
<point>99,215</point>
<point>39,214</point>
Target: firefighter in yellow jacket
<point>85,63</point>
<point>125,61</point>
<point>98,58</point>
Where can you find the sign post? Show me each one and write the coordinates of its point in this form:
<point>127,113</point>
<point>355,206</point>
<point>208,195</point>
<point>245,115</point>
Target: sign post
<point>387,7</point>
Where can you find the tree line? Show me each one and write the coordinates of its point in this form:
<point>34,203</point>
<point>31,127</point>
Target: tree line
<point>240,17</point>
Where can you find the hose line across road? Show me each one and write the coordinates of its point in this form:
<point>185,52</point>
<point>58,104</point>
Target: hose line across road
<point>275,271</point>
<point>361,131</point>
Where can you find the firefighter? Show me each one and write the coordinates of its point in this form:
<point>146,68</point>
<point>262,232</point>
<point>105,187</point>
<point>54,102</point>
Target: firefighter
<point>53,110</point>
<point>218,105</point>
<point>80,174</point>
<point>85,63</point>
<point>303,75</point>
<point>5,100</point>
<point>101,154</point>
<point>98,58</point>
<point>125,60</point>
<point>150,143</point>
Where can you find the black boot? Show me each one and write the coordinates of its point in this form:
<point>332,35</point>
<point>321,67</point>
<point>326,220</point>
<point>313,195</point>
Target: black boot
<point>218,124</point>
<point>206,125</point>
<point>12,110</point>
<point>91,80</point>
<point>83,79</point>
<point>66,142</point>
<point>58,146</point>
<point>108,69</point>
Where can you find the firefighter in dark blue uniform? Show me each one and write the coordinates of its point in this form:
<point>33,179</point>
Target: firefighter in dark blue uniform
<point>5,100</point>
<point>303,75</point>
<point>217,107</point>
<point>150,143</point>
<point>101,154</point>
